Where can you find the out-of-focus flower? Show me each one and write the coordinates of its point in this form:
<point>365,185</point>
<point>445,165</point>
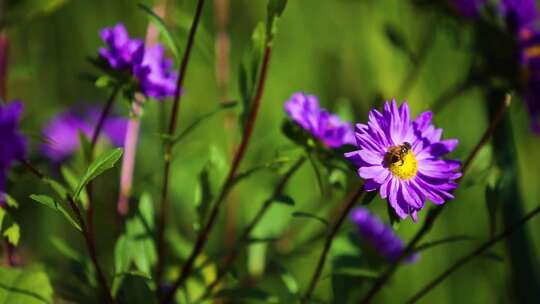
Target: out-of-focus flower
<point>149,66</point>
<point>401,158</point>
<point>61,136</point>
<point>12,143</point>
<point>519,13</point>
<point>155,73</point>
<point>379,236</point>
<point>468,8</point>
<point>328,128</point>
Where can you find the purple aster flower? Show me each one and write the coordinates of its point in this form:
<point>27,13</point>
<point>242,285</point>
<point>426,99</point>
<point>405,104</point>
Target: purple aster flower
<point>519,13</point>
<point>379,236</point>
<point>155,73</point>
<point>62,133</point>
<point>402,158</point>
<point>12,143</point>
<point>328,128</point>
<point>468,8</point>
<point>121,52</point>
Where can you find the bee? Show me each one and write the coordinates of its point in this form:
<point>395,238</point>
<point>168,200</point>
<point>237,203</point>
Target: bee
<point>397,153</point>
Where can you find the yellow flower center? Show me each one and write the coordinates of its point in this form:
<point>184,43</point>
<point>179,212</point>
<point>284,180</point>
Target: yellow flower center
<point>405,168</point>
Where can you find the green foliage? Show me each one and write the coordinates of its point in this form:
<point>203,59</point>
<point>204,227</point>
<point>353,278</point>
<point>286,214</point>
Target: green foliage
<point>308,215</point>
<point>104,162</point>
<point>284,199</point>
<point>246,294</point>
<point>54,205</point>
<point>24,286</point>
<point>136,246</point>
<point>13,234</point>
<point>203,196</point>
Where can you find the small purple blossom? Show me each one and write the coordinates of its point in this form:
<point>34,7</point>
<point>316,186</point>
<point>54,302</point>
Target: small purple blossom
<point>61,135</point>
<point>12,143</point>
<point>468,8</point>
<point>155,73</point>
<point>379,236</point>
<point>401,158</point>
<point>328,128</point>
<point>121,52</point>
<point>148,65</point>
<point>519,13</point>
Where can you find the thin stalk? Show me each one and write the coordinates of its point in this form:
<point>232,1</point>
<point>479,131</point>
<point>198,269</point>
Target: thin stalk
<point>90,244</point>
<point>329,240</point>
<point>245,237</point>
<point>229,181</point>
<point>435,212</point>
<point>95,136</point>
<point>475,253</point>
<point>169,145</point>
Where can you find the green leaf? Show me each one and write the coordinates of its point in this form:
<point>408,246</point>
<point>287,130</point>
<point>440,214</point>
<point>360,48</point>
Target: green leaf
<point>86,146</point>
<point>274,10</point>
<point>10,201</point>
<point>103,81</point>
<point>357,272</point>
<point>18,285</point>
<point>284,199</point>
<point>301,214</point>
<point>203,196</point>
<point>13,234</point>
<point>66,250</point>
<point>245,294</point>
<point>72,180</point>
<point>104,162</point>
<point>57,187</point>
<point>163,29</point>
<point>53,204</point>
<point>288,279</point>
<point>2,215</point>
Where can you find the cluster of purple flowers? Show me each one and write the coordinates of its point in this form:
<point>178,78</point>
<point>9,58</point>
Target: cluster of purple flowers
<point>13,146</point>
<point>148,66</point>
<point>323,125</point>
<point>61,136</point>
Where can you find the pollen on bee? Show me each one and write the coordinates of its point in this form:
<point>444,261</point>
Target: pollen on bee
<point>406,168</point>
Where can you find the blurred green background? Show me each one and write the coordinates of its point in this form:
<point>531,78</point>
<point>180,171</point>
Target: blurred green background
<point>338,50</point>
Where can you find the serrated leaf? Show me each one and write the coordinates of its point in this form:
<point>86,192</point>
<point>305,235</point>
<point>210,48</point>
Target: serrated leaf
<point>246,294</point>
<point>53,204</point>
<point>24,286</point>
<point>104,162</point>
<point>307,215</point>
<point>13,234</point>
<point>163,29</point>
<point>284,199</point>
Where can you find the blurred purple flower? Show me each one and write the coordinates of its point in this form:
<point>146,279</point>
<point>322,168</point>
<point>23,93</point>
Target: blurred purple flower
<point>328,128</point>
<point>149,66</point>
<point>379,236</point>
<point>402,159</point>
<point>12,143</point>
<point>155,73</point>
<point>61,135</point>
<point>121,51</point>
<point>519,13</point>
<point>468,8</point>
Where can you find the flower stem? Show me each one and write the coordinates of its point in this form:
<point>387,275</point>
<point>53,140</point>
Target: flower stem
<point>90,244</point>
<point>229,181</point>
<point>329,240</point>
<point>478,251</point>
<point>435,212</point>
<point>169,144</point>
<point>244,238</point>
